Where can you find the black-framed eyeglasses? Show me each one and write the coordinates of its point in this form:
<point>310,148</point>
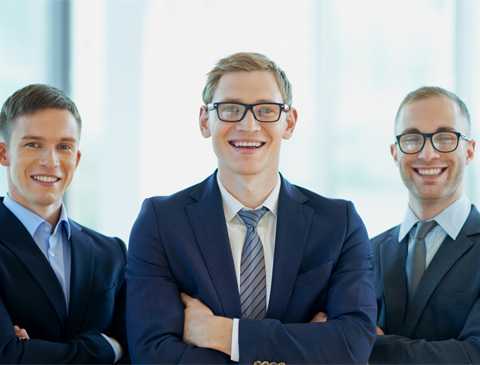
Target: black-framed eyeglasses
<point>235,112</point>
<point>442,141</point>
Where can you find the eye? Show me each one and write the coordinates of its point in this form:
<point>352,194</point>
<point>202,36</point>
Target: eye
<point>231,108</point>
<point>32,145</point>
<point>65,147</point>
<point>266,109</point>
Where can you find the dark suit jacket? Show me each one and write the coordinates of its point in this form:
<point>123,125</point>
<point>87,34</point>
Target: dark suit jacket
<point>32,298</point>
<point>180,244</point>
<point>443,323</point>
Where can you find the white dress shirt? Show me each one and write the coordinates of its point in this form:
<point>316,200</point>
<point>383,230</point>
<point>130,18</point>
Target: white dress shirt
<point>449,222</point>
<point>237,231</point>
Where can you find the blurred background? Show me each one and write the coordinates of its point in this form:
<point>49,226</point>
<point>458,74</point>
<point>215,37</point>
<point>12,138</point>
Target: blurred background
<point>136,69</point>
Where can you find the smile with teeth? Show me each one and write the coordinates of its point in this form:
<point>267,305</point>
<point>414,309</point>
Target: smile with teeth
<point>246,144</point>
<point>45,178</point>
<point>432,171</point>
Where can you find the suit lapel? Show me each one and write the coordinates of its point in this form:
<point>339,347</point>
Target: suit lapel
<point>293,222</point>
<point>14,234</point>
<point>208,221</point>
<point>82,264</point>
<point>448,254</point>
<point>393,255</point>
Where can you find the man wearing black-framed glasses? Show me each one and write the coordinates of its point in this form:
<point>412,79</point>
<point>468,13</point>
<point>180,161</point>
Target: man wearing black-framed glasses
<point>239,267</point>
<point>427,267</point>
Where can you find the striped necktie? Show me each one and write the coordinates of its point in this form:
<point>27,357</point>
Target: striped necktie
<point>253,285</point>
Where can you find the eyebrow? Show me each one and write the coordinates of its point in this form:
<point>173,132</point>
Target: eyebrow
<point>260,101</point>
<point>440,129</point>
<point>37,138</point>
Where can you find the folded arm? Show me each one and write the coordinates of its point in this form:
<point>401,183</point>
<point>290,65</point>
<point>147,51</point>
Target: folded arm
<point>155,312</point>
<point>346,337</point>
<point>465,349</point>
<point>87,348</point>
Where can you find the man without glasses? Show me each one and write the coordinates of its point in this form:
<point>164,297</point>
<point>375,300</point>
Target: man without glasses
<point>428,282</point>
<point>239,266</point>
<point>61,284</point>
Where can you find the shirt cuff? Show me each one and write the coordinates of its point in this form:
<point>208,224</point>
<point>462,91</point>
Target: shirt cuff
<point>117,349</point>
<point>235,350</point>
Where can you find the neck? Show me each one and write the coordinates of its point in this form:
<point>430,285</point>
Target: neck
<point>250,190</point>
<point>426,209</point>
<point>51,213</point>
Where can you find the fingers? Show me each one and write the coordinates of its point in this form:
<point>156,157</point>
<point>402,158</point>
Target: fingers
<point>21,333</point>
<point>320,317</point>
<point>186,299</point>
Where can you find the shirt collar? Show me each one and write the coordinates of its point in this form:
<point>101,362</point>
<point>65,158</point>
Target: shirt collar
<point>32,221</point>
<point>450,219</point>
<point>231,206</point>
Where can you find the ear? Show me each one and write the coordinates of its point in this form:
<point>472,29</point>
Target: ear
<point>394,152</point>
<point>79,156</point>
<point>4,159</point>
<point>292,117</point>
<point>470,150</point>
<point>203,121</point>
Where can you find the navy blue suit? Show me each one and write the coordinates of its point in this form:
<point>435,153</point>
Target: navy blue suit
<point>442,325</point>
<point>321,263</point>
<point>32,298</point>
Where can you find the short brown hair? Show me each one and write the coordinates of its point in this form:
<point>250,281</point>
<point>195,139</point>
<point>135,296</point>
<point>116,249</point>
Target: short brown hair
<point>31,99</point>
<point>432,91</point>
<point>246,61</point>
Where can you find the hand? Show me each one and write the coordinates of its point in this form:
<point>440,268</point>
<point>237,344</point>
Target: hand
<point>379,331</point>
<point>21,333</point>
<point>202,328</point>
<point>320,317</point>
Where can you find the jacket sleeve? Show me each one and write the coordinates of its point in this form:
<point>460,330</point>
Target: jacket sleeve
<point>117,329</point>
<point>87,348</point>
<point>465,349</point>
<point>347,336</point>
<point>155,313</point>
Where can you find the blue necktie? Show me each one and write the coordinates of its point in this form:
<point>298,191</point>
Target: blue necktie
<point>253,284</point>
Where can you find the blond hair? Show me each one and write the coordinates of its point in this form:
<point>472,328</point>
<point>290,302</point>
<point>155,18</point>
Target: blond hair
<point>246,61</point>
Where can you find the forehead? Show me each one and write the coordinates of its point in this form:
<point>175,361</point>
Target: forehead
<point>46,123</point>
<point>429,114</point>
<point>248,87</point>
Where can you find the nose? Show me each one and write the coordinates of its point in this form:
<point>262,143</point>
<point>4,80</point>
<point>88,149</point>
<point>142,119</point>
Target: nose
<point>428,152</point>
<point>49,157</point>
<point>249,123</point>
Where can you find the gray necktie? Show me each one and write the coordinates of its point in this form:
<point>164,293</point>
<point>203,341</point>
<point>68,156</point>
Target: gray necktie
<point>253,286</point>
<point>417,257</point>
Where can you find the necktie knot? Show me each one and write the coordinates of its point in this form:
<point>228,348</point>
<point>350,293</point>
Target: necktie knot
<point>252,217</point>
<point>423,228</point>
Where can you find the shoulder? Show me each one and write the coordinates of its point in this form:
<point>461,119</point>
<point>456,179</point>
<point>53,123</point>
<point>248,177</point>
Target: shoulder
<point>102,243</point>
<point>328,208</point>
<point>385,236</point>
<point>173,201</point>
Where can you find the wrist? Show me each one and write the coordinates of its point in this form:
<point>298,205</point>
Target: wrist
<point>221,336</point>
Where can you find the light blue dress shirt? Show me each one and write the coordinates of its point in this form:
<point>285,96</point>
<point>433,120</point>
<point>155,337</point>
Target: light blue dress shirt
<point>449,222</point>
<point>54,244</point>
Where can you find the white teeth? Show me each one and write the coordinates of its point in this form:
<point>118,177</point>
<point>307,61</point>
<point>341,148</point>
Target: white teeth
<point>430,172</point>
<point>247,144</point>
<point>47,179</point>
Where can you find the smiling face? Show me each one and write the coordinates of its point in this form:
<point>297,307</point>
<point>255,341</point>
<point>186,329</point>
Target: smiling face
<point>41,157</point>
<point>248,147</point>
<point>431,176</point>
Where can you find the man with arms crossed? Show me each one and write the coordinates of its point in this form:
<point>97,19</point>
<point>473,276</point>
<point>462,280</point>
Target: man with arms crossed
<point>236,267</point>
<point>61,285</point>
<point>428,281</point>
